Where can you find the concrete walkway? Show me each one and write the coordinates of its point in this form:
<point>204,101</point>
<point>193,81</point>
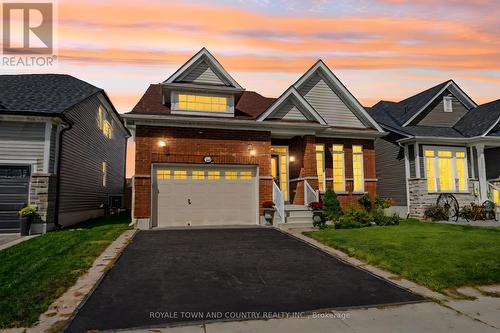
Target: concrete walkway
<point>422,317</point>
<point>8,240</point>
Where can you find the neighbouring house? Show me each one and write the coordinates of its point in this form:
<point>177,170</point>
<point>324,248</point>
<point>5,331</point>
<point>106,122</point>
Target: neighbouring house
<point>62,150</point>
<point>440,141</point>
<point>209,152</point>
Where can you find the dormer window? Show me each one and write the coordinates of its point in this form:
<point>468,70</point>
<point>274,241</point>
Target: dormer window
<point>202,103</point>
<point>448,103</point>
<point>191,102</point>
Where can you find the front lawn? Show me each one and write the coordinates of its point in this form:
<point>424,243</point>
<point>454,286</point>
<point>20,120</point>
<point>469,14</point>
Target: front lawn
<point>438,256</point>
<point>36,272</point>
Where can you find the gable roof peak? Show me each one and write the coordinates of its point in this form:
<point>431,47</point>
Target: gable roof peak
<point>204,55</point>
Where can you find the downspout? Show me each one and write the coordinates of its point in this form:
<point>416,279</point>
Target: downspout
<point>407,167</point>
<point>58,173</point>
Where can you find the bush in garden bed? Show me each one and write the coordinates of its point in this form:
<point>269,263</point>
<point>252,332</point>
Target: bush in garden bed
<point>358,218</point>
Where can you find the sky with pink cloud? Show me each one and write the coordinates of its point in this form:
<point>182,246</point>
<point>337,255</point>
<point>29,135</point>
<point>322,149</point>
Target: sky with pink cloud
<point>380,49</point>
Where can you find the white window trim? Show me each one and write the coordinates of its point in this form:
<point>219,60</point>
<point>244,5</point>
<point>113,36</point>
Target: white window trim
<point>343,191</point>
<point>362,191</point>
<point>454,150</point>
<point>324,165</point>
<point>448,104</point>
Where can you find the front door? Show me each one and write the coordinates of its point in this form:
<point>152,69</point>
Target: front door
<point>279,168</point>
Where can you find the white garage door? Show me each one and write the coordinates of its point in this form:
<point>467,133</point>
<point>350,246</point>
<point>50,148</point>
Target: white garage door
<point>205,195</point>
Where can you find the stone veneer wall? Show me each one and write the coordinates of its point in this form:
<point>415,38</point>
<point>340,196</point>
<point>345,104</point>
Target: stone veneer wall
<point>43,189</point>
<point>420,199</point>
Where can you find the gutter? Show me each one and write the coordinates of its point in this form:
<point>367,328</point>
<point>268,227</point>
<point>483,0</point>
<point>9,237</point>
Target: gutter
<point>240,124</point>
<point>433,139</point>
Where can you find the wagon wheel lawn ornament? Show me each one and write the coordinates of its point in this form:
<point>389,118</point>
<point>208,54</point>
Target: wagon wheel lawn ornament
<point>450,205</point>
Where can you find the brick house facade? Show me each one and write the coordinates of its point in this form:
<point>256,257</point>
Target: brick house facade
<point>194,131</point>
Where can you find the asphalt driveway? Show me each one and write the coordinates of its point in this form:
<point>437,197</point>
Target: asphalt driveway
<point>167,276</point>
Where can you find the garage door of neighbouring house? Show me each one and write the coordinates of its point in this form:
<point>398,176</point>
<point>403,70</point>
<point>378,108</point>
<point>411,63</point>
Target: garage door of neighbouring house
<point>14,187</point>
<point>191,195</point>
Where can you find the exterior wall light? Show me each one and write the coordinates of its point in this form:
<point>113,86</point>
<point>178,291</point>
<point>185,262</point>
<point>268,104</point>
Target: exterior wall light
<point>292,158</point>
<point>162,143</point>
<point>251,150</point>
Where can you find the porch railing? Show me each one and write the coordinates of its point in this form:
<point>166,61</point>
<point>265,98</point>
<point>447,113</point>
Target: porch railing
<point>310,194</point>
<point>494,191</point>
<point>279,201</point>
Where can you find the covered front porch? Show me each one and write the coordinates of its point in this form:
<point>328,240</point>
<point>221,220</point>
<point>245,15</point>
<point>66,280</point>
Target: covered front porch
<point>467,169</point>
<point>303,167</point>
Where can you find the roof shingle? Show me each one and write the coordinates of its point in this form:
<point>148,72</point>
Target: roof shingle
<point>42,93</point>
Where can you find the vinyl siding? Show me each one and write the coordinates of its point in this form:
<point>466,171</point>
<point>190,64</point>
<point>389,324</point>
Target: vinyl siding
<point>290,112</point>
<point>492,159</point>
<point>202,73</point>
<point>390,164</point>
<point>328,104</point>
<point>437,117</point>
<point>84,148</point>
<point>23,143</point>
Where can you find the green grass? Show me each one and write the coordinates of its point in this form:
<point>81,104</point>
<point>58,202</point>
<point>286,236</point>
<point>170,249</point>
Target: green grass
<point>438,256</point>
<point>36,272</point>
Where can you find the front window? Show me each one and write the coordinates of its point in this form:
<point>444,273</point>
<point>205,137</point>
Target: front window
<point>104,122</point>
<point>446,169</point>
<point>357,169</point>
<point>320,166</point>
<point>338,168</point>
<point>191,102</point>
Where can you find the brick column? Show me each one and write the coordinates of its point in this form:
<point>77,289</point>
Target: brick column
<point>308,168</point>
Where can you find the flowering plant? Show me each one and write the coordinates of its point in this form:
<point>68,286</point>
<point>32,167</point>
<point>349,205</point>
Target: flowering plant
<point>316,205</point>
<point>268,204</point>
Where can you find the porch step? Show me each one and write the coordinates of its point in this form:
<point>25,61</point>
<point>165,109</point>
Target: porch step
<point>298,214</point>
<point>296,207</point>
<point>299,219</point>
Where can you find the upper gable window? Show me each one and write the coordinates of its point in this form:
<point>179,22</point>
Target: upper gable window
<point>448,103</point>
<point>191,102</point>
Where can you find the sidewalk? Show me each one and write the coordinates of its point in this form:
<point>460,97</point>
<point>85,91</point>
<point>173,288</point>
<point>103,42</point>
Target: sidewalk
<point>422,317</point>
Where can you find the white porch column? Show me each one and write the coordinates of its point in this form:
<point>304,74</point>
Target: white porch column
<point>481,173</point>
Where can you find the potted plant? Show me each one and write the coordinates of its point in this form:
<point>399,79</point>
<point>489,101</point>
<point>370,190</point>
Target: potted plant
<point>318,218</point>
<point>27,215</point>
<point>268,211</point>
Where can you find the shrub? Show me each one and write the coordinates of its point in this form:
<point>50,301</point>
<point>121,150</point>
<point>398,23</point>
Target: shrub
<point>354,218</point>
<point>366,202</point>
<point>383,203</point>
<point>381,219</point>
<point>331,205</point>
<point>436,213</point>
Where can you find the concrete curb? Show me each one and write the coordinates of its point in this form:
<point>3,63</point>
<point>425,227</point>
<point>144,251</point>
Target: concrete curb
<point>62,309</point>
